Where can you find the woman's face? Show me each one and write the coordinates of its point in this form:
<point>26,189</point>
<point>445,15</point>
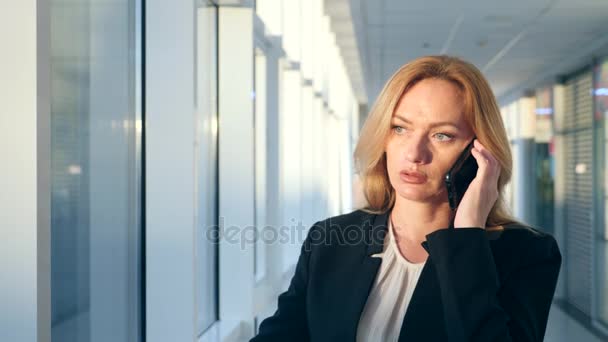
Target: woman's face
<point>428,133</point>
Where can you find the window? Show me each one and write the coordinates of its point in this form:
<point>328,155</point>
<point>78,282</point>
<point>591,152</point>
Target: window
<point>601,235</point>
<point>95,171</point>
<point>206,216</point>
<point>544,160</point>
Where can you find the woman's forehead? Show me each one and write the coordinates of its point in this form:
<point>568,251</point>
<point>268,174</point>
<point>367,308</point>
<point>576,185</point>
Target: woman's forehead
<point>431,99</point>
<point>432,103</point>
<point>430,114</point>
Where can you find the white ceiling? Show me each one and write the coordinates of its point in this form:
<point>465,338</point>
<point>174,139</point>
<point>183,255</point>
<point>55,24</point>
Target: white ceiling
<point>516,43</point>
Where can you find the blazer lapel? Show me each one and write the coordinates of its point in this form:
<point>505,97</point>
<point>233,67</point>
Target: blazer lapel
<point>366,274</point>
<point>424,318</point>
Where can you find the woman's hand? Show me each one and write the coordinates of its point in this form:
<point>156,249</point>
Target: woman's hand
<point>482,193</point>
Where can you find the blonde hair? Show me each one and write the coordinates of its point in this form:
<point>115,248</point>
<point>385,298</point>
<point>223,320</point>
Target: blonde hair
<point>480,111</point>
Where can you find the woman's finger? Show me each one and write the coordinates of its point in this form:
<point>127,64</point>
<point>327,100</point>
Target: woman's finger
<point>494,167</point>
<point>488,170</point>
<point>482,161</point>
<point>487,154</point>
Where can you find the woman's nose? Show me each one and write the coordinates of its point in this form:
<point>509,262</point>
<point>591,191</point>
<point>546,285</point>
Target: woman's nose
<point>416,150</point>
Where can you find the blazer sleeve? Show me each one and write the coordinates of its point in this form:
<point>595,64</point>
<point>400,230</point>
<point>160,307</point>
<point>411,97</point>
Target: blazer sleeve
<point>289,322</point>
<point>477,306</point>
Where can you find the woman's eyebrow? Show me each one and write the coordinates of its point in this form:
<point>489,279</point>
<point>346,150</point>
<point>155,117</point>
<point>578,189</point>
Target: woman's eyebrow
<point>434,124</point>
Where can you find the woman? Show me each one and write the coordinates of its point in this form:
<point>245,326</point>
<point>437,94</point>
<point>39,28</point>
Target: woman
<point>408,267</point>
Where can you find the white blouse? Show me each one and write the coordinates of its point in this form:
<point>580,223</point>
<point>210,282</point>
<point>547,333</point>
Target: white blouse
<point>390,296</point>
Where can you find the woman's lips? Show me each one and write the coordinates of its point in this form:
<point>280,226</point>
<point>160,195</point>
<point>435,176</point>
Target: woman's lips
<point>412,177</point>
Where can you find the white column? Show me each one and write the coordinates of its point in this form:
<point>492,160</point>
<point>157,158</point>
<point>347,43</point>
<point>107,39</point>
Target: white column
<point>347,167</point>
<point>236,181</point>
<point>292,35</point>
<point>308,137</point>
<point>333,165</point>
<point>307,38</point>
<point>319,165</point>
<point>271,12</point>
<point>273,190</point>
<point>560,179</point>
<point>24,175</point>
<point>261,197</point>
<point>524,195</point>
<point>291,161</point>
<point>170,185</point>
<point>267,290</point>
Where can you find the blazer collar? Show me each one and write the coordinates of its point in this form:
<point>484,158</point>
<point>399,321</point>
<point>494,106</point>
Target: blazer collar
<point>425,305</point>
<point>377,233</point>
<point>374,231</point>
<point>425,309</point>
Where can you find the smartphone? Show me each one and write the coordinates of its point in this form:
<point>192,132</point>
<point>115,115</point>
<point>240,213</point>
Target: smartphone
<point>460,175</point>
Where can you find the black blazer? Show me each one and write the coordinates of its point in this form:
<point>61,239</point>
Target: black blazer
<point>477,284</point>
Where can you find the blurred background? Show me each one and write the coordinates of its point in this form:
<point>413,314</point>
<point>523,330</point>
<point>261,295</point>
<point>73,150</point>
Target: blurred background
<point>162,161</point>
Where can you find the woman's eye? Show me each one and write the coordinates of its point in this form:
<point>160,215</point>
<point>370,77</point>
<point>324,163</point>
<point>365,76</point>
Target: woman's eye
<point>443,137</point>
<point>398,129</point>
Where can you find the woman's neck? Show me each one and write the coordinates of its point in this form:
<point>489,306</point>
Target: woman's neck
<point>414,220</point>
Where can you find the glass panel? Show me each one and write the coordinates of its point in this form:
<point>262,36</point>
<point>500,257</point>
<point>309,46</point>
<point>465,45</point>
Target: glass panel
<point>206,157</point>
<point>95,165</point>
<point>544,160</point>
<point>544,115</point>
<point>601,240</point>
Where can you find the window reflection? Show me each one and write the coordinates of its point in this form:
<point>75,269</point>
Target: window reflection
<point>544,160</point>
<point>601,240</point>
<point>95,165</point>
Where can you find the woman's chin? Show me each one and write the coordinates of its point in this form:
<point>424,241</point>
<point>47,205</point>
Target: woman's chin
<point>417,194</point>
